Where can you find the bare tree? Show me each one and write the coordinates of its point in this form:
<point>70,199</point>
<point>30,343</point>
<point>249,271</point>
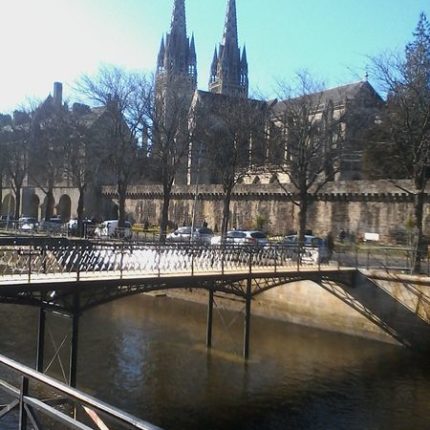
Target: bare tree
<point>5,123</point>
<point>122,127</point>
<point>170,137</point>
<point>47,167</point>
<point>81,151</point>
<point>17,144</point>
<point>305,143</point>
<point>229,137</point>
<point>406,119</point>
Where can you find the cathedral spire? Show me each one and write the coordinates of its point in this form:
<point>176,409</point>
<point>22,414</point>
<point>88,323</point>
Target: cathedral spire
<point>230,29</point>
<point>229,71</point>
<point>176,82</point>
<point>178,26</point>
<point>177,55</point>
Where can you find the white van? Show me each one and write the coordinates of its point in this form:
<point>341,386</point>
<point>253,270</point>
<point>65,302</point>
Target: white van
<point>110,228</point>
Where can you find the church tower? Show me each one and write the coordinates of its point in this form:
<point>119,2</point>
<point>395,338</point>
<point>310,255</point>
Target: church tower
<point>229,70</point>
<point>177,55</point>
<point>175,85</point>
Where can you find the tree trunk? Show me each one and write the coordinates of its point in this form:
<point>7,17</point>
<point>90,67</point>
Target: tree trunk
<point>49,209</point>
<point>303,209</point>
<point>122,195</point>
<point>164,215</point>
<point>17,202</point>
<point>80,210</point>
<point>226,212</point>
<point>419,240</point>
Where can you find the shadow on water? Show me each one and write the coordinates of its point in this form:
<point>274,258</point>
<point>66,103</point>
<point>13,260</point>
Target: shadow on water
<point>147,356</point>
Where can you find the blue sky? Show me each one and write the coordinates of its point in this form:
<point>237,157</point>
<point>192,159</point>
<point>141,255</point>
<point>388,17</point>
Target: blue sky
<point>57,40</point>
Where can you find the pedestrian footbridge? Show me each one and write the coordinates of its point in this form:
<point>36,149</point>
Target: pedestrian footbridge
<point>71,277</point>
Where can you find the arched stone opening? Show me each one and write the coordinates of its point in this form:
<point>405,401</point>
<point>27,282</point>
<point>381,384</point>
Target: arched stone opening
<point>64,208</point>
<point>274,179</point>
<point>427,225</point>
<point>8,206</point>
<point>30,206</point>
<point>34,206</point>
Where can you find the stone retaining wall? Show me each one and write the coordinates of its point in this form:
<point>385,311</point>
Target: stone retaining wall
<point>357,207</point>
<point>389,308</point>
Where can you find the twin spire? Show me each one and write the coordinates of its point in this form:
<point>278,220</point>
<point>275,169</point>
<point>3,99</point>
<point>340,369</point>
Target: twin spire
<point>177,53</point>
<point>229,70</point>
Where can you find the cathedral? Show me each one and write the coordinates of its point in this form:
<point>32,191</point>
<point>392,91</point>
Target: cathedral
<point>177,56</point>
<point>355,105</point>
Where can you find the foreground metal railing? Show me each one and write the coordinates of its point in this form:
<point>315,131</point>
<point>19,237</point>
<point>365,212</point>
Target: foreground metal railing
<point>39,402</point>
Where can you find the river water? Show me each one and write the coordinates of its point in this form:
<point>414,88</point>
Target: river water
<point>147,355</point>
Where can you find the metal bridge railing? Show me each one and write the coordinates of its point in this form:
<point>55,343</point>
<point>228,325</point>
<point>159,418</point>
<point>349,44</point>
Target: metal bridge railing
<point>40,402</point>
<point>89,260</point>
<point>388,258</point>
<point>26,262</point>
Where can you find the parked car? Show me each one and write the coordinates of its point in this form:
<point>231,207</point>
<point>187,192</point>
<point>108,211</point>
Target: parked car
<point>28,224</point>
<point>110,228</point>
<point>242,237</point>
<point>88,227</point>
<point>314,249</point>
<point>53,225</point>
<point>201,235</point>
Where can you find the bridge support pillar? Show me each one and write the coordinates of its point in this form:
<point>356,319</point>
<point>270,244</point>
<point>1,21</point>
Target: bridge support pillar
<point>74,342</point>
<point>41,340</point>
<point>210,318</point>
<point>247,325</point>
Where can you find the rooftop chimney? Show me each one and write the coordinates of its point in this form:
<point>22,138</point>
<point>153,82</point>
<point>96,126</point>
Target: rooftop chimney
<point>58,94</point>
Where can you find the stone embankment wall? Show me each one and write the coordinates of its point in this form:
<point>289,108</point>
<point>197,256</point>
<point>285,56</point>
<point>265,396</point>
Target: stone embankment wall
<point>390,308</point>
<point>385,307</point>
<point>357,207</point>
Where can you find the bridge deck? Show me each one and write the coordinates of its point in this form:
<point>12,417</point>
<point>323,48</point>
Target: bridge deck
<point>119,276</point>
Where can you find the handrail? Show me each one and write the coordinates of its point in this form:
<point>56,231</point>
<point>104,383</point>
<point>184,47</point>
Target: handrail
<point>86,401</point>
<point>80,260</point>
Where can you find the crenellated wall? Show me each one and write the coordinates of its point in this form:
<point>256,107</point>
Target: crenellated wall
<point>354,206</point>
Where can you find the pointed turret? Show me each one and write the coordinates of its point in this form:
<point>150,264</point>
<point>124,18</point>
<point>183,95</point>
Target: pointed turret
<point>214,67</point>
<point>230,73</point>
<point>244,70</point>
<point>192,57</point>
<point>161,55</point>
<point>192,60</point>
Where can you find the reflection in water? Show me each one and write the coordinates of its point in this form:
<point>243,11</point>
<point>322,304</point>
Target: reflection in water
<point>147,356</point>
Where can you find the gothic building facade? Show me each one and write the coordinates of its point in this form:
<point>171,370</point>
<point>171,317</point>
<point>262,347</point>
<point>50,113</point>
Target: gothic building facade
<point>354,105</point>
<point>176,86</point>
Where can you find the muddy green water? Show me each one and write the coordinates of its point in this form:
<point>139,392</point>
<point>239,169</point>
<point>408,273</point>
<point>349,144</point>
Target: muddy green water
<point>147,356</point>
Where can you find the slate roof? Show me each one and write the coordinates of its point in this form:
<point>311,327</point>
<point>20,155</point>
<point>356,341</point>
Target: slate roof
<point>212,99</point>
<point>337,95</point>
<point>93,115</point>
